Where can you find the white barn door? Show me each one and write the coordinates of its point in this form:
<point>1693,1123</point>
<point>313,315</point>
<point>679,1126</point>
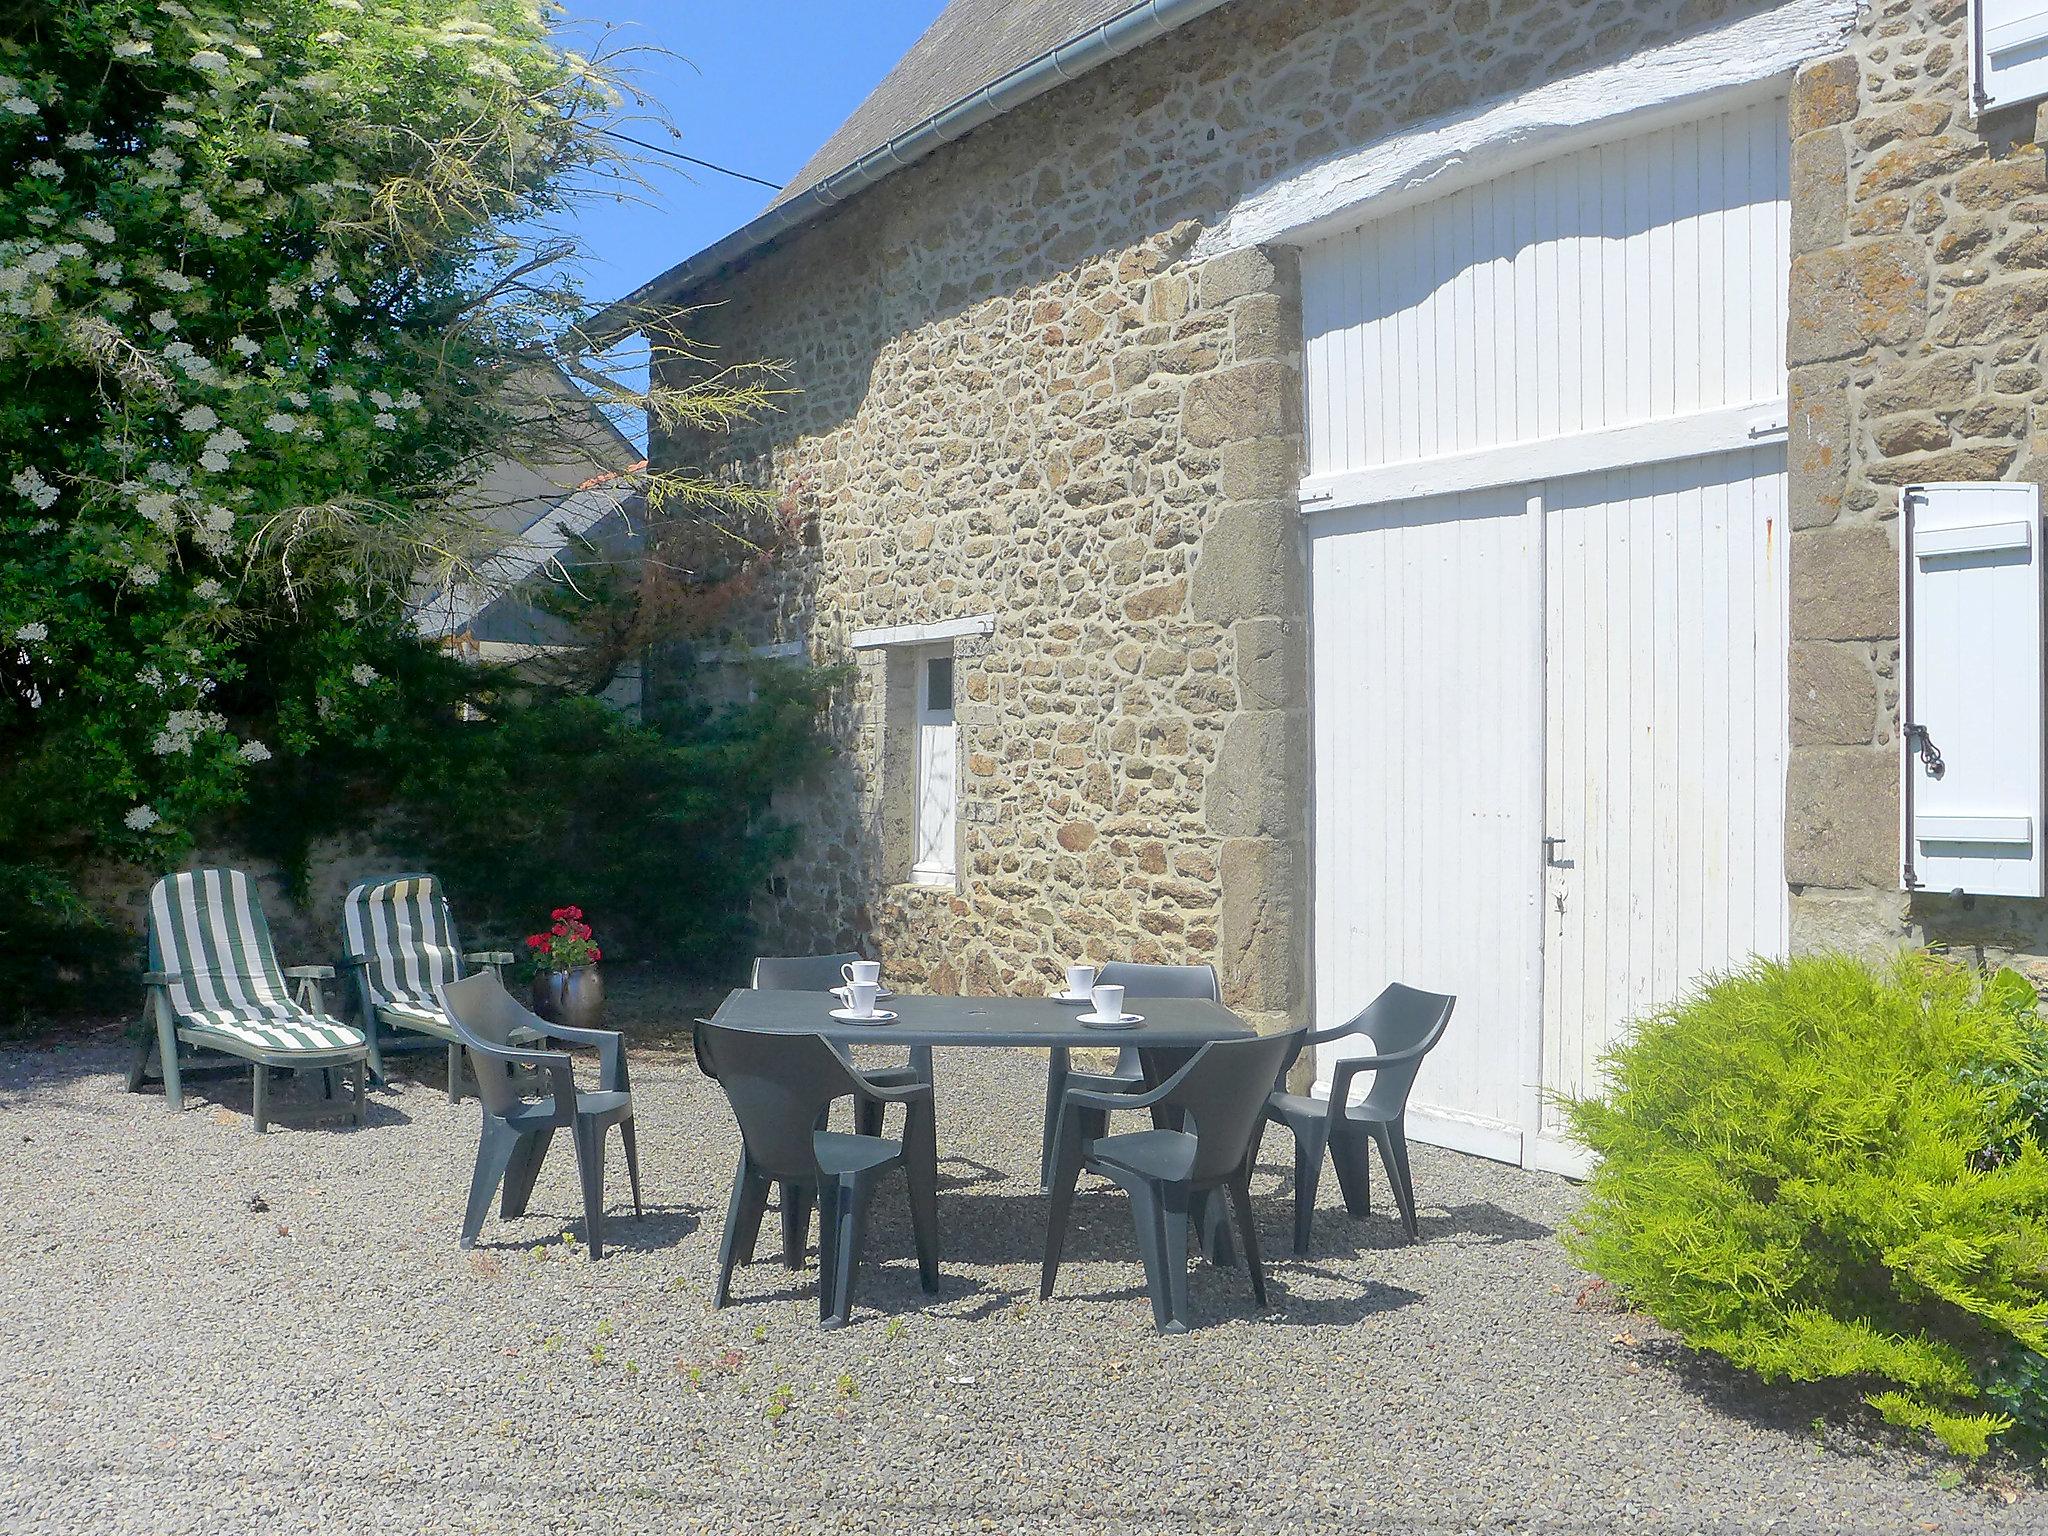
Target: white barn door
<point>1666,733</point>
<point>1545,509</point>
<point>1428,665</point>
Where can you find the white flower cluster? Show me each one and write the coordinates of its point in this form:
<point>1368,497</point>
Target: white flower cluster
<point>253,751</point>
<point>12,99</point>
<point>140,819</point>
<point>363,673</point>
<point>39,492</point>
<point>29,634</point>
<point>183,729</point>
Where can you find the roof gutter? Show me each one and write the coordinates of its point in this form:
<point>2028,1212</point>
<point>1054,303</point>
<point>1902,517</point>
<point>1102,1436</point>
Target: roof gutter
<point>1098,45</point>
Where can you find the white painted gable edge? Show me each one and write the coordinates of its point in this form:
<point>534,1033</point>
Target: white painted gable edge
<point>1711,71</point>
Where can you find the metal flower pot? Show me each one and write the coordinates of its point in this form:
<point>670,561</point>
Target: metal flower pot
<point>574,998</point>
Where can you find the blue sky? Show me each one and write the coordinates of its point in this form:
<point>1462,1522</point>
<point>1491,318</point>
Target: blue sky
<point>756,86</point>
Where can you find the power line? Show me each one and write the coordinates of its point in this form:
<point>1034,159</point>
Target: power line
<point>709,165</point>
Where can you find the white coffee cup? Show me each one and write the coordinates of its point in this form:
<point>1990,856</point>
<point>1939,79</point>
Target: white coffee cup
<point>860,998</point>
<point>1080,980</point>
<point>862,973</point>
<point>1109,1002</point>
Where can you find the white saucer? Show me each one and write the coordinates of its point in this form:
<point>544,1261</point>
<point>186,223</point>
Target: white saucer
<point>1104,1021</point>
<point>882,994</point>
<point>848,1016</point>
<point>1083,1001</point>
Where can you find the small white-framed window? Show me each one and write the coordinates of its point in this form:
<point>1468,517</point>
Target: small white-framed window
<point>2008,52</point>
<point>938,790</point>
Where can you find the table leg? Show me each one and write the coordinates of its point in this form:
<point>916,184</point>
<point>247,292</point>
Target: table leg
<point>1056,1069</point>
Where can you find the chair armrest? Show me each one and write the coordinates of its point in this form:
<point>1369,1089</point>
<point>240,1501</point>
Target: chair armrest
<point>490,957</point>
<point>158,978</point>
<point>611,1049</point>
<point>1096,1098</point>
<point>1348,1067</point>
<point>910,1093</point>
<point>309,973</point>
<point>555,1063</point>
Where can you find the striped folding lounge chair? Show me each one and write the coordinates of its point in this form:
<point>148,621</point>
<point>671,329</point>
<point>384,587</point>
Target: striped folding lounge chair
<point>401,951</point>
<point>214,987</point>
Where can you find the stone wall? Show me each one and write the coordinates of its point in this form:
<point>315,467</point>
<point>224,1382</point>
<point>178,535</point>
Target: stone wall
<point>1919,292</point>
<point>1017,394</point>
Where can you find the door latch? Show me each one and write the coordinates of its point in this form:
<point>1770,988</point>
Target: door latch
<point>1929,753</point>
<point>1550,847</point>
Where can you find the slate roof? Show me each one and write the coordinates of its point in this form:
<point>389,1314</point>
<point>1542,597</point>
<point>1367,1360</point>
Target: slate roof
<point>974,43</point>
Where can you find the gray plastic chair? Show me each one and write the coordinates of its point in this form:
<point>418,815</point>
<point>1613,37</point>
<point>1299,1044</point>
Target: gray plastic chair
<point>516,1128</point>
<point>1404,1025</point>
<point>1128,1076</point>
<point>1220,1096</point>
<point>778,1085</point>
<point>821,973</point>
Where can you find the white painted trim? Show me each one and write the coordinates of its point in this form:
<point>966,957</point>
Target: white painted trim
<point>1710,72</point>
<point>1727,429</point>
<point>1480,1138</point>
<point>516,650</point>
<point>1553,1154</point>
<point>923,634</point>
<point>1973,829</point>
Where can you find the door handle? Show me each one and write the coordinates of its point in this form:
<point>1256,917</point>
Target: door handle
<point>1550,847</point>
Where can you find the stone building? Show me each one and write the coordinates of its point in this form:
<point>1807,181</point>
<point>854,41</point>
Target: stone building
<point>1357,489</point>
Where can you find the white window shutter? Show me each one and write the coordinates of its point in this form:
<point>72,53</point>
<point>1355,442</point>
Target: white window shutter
<point>1972,728</point>
<point>2009,56</point>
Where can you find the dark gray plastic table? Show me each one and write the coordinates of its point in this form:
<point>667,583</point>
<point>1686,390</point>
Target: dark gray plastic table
<point>1181,1024</point>
<point>1174,1029</point>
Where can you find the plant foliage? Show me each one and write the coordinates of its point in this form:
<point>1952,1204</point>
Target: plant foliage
<point>1817,1170</point>
<point>276,281</point>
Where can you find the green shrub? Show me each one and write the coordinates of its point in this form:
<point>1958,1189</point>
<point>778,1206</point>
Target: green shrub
<point>1820,1170</point>
<point>56,954</point>
<point>660,831</point>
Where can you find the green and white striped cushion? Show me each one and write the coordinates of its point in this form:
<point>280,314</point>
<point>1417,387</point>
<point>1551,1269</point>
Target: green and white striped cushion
<point>207,933</point>
<point>401,930</point>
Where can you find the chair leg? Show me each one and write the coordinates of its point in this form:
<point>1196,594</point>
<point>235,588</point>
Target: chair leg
<point>360,1073</point>
<point>372,1040</point>
<point>524,1169</point>
<point>1066,1172</point>
<point>796,1223</point>
<point>921,1170</point>
<point>1393,1143</point>
<point>590,1170</point>
<point>1212,1225</point>
<point>849,1229</point>
<point>742,1225</point>
<point>1146,1217</point>
<point>829,1194</point>
<point>1348,1157</point>
<point>1311,1144</point>
<point>259,1098</point>
<point>494,1150</point>
<point>454,1073</point>
<point>1174,1215</point>
<point>1056,1070</point>
<point>631,1142</point>
<point>138,1067</point>
<point>1240,1190</point>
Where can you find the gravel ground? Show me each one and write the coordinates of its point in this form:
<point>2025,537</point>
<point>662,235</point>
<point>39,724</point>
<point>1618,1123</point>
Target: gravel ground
<point>174,1358</point>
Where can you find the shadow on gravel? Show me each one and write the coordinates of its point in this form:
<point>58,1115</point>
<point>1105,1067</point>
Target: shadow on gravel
<point>1830,1416</point>
<point>662,1226</point>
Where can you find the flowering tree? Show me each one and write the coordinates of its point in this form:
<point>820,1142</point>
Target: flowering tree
<point>268,279</point>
